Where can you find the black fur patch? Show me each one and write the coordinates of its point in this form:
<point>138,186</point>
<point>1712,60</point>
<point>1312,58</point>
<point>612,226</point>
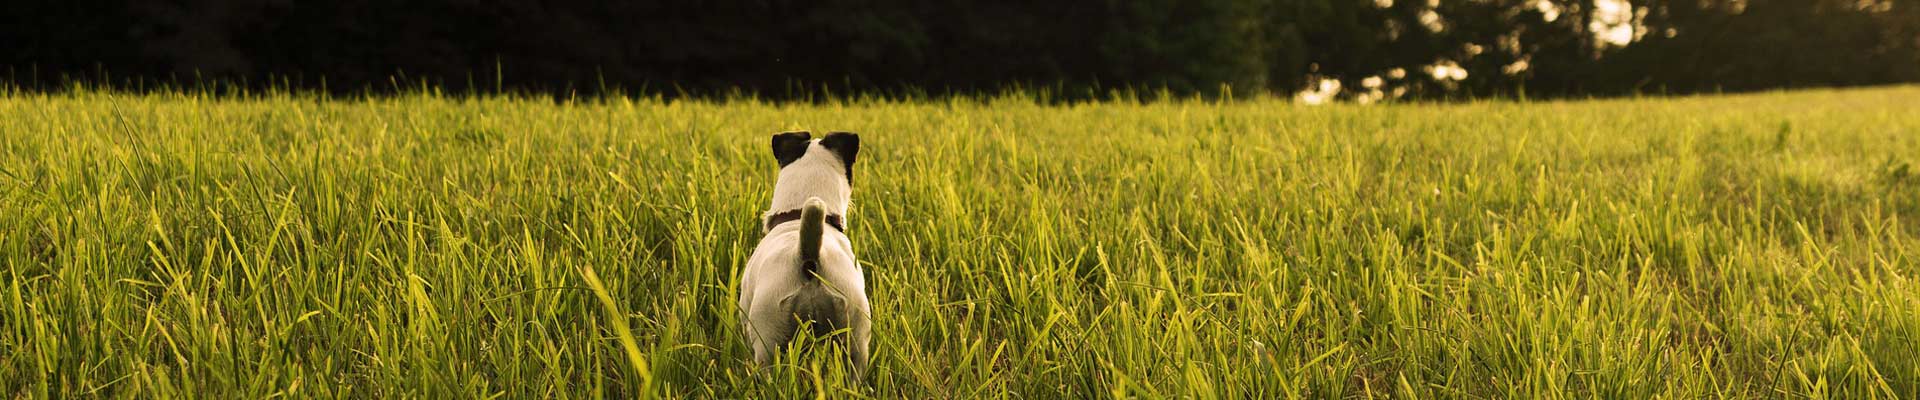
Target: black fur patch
<point>789,146</point>
<point>846,145</point>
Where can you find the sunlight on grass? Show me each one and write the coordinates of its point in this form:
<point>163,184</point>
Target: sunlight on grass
<point>178,245</point>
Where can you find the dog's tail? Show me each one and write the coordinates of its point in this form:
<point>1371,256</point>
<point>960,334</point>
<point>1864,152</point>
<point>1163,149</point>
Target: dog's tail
<point>813,220</point>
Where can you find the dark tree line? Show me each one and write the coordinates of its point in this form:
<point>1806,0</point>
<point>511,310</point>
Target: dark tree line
<point>782,48</point>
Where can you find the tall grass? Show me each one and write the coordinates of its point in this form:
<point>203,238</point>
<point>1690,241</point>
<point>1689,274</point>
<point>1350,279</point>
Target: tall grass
<point>174,245</point>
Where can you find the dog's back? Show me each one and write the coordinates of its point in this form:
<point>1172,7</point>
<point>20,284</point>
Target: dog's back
<point>782,290</point>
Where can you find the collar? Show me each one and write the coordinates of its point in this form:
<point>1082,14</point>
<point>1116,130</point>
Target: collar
<point>782,217</point>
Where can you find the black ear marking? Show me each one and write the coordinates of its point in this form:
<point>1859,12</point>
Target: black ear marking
<point>789,146</point>
<point>846,145</point>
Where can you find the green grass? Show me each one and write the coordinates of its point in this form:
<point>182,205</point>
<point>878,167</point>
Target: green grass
<point>1753,246</point>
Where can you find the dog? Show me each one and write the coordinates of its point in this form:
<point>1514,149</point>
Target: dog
<point>803,274</point>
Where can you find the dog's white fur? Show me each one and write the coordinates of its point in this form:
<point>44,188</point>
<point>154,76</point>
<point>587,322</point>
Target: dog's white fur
<point>776,295</point>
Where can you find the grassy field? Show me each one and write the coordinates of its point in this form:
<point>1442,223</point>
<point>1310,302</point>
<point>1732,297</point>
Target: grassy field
<point>1747,246</point>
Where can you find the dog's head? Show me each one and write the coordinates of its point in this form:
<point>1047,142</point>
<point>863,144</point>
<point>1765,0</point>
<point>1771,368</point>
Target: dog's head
<point>814,168</point>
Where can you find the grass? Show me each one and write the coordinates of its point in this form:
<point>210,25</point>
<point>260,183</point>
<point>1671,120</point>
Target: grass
<point>1749,246</point>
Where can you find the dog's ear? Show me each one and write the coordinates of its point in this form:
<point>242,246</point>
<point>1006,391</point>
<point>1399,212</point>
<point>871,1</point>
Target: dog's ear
<point>843,144</point>
<point>789,146</point>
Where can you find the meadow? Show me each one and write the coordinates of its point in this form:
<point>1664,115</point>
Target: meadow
<point>428,246</point>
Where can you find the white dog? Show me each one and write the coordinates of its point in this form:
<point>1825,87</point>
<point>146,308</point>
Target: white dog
<point>803,273</point>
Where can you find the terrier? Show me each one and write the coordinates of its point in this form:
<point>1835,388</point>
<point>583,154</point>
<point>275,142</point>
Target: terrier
<point>803,273</point>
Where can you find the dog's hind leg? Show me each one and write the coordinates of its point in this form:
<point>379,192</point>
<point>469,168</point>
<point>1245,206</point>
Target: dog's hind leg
<point>764,336</point>
<point>857,339</point>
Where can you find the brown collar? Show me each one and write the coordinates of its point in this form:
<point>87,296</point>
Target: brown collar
<point>794,215</point>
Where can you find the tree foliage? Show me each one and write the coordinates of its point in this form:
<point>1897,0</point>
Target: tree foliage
<point>785,48</point>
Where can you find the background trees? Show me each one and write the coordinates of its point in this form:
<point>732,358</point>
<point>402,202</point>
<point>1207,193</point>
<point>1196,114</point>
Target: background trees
<point>1372,48</point>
